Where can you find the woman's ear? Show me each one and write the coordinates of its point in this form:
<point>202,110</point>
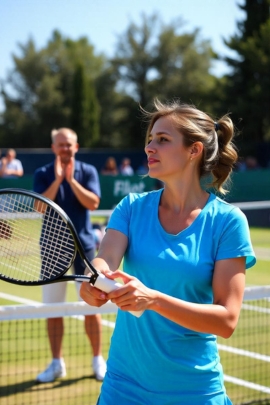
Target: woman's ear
<point>196,149</point>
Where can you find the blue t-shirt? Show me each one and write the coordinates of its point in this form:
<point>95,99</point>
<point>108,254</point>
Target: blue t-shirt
<point>153,360</point>
<point>87,176</point>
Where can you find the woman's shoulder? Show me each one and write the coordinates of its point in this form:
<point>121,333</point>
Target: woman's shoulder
<point>145,197</point>
<point>225,208</point>
<point>134,201</point>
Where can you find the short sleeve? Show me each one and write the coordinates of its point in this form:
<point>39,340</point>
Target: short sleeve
<point>235,238</point>
<point>120,218</point>
<point>92,180</point>
<point>19,165</point>
<point>40,182</point>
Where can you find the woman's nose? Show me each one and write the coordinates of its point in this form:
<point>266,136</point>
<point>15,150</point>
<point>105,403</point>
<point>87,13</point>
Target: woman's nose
<point>149,147</point>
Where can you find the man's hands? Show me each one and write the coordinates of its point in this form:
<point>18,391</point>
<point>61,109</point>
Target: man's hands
<point>64,170</point>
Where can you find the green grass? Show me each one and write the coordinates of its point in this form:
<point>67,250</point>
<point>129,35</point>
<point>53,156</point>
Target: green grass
<point>252,333</point>
<point>259,274</point>
<point>25,350</point>
<point>260,237</point>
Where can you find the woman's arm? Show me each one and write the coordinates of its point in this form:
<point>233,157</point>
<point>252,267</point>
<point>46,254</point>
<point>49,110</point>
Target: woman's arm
<point>219,318</point>
<point>108,259</point>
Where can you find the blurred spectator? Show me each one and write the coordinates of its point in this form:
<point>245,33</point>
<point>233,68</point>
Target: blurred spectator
<point>251,163</point>
<point>125,169</point>
<point>143,169</point>
<point>110,167</point>
<point>10,167</point>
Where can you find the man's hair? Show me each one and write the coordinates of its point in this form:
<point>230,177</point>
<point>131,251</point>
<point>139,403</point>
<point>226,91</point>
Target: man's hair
<point>55,132</point>
<point>11,152</point>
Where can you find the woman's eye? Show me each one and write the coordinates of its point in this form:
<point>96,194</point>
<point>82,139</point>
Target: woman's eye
<point>162,139</point>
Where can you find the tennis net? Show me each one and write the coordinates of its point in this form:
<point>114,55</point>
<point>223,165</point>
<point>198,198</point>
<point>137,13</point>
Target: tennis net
<point>25,352</point>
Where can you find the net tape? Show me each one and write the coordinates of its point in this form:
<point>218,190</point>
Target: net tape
<point>39,310</point>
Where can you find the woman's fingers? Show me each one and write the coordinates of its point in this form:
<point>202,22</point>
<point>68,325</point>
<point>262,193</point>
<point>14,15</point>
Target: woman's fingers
<point>92,296</point>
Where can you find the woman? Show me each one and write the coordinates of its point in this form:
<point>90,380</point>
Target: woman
<point>185,253</point>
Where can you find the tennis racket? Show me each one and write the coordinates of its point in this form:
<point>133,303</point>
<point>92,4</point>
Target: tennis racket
<point>39,243</point>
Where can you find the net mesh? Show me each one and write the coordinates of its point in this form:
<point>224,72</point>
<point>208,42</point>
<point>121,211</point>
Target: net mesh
<point>25,352</point>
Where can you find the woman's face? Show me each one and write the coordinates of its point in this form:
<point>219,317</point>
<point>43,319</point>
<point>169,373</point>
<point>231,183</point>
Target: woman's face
<point>166,153</point>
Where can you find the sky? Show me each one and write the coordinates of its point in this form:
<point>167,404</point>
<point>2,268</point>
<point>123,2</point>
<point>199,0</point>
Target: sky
<point>102,21</point>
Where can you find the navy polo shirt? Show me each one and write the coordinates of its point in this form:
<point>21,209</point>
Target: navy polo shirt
<point>87,176</point>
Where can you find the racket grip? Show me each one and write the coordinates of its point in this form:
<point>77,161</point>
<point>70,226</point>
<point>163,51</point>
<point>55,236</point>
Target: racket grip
<point>107,285</point>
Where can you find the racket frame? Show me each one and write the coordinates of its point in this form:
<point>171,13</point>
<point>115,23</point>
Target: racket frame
<point>78,246</point>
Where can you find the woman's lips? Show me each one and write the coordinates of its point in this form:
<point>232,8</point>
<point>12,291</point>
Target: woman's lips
<point>152,160</point>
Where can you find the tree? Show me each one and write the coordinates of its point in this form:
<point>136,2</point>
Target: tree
<point>182,64</point>
<point>135,55</point>
<point>248,84</point>
<point>85,109</point>
<point>153,59</point>
<point>42,90</point>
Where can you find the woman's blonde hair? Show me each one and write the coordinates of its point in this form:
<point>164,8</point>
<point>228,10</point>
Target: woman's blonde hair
<point>219,155</point>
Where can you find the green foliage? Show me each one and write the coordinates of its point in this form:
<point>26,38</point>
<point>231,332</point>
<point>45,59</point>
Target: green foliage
<point>85,109</point>
<point>135,54</point>
<point>158,60</point>
<point>43,84</point>
<point>183,65</point>
<point>248,85</point>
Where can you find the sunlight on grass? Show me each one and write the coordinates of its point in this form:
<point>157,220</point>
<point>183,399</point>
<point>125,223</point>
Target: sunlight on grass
<point>260,237</point>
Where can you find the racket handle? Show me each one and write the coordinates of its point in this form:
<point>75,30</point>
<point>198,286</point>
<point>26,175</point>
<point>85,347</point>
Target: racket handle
<point>107,285</point>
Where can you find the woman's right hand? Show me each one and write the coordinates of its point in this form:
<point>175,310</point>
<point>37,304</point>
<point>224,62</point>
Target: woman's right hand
<point>92,295</point>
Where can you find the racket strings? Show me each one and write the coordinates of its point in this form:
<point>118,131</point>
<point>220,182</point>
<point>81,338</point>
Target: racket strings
<point>35,242</point>
<point>13,246</point>
<point>57,245</point>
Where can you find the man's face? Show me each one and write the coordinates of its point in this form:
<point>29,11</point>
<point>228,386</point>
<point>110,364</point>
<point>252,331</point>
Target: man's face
<point>65,146</point>
<point>10,156</point>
